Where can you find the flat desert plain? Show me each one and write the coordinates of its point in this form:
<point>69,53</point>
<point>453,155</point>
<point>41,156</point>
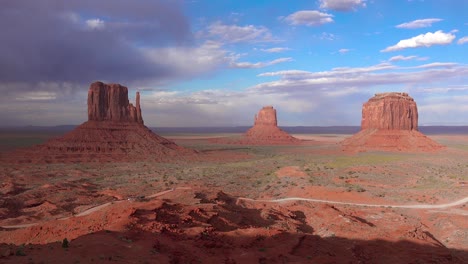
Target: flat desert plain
<point>305,203</point>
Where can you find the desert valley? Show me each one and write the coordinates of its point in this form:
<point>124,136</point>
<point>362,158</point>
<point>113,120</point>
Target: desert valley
<point>111,190</point>
<point>234,131</point>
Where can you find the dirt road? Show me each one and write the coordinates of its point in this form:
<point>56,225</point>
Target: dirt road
<point>281,200</point>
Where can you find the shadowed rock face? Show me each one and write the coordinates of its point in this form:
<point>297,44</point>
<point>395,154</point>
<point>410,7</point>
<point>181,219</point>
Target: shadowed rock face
<point>109,102</point>
<point>390,123</point>
<point>391,111</point>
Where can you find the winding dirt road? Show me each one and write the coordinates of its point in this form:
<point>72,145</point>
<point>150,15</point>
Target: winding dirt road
<point>414,206</point>
<point>281,200</point>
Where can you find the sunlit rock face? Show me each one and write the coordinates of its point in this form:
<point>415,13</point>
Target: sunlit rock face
<point>390,111</point>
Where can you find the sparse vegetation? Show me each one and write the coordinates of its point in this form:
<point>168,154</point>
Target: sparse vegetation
<point>65,243</point>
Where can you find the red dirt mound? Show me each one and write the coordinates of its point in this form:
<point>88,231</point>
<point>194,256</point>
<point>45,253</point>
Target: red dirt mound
<point>114,132</point>
<point>390,123</point>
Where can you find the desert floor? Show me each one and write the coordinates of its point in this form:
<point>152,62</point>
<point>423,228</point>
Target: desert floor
<point>227,205</point>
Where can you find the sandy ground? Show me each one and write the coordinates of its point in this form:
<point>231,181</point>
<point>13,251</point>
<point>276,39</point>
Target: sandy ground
<point>308,203</point>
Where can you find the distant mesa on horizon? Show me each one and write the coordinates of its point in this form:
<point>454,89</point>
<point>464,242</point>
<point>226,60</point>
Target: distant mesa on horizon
<point>265,131</point>
<point>390,123</point>
<point>114,132</point>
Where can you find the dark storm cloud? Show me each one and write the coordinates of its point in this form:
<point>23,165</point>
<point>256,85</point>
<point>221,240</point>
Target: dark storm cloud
<point>50,40</point>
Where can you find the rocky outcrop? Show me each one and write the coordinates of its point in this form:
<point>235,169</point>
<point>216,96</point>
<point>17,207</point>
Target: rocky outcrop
<point>109,102</point>
<point>390,111</point>
<point>266,117</point>
<point>114,132</point>
<point>390,123</point>
<point>264,132</point>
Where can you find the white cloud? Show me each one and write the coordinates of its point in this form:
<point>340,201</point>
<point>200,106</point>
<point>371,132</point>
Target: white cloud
<point>36,96</point>
<point>443,110</point>
<point>234,33</point>
<point>309,18</point>
<point>343,51</point>
<point>275,50</point>
<point>190,61</point>
<point>444,89</point>
<point>420,23</point>
<point>423,40</point>
<point>402,58</point>
<point>342,5</point>
<point>250,65</point>
<point>436,65</point>
<point>363,77</point>
<point>298,74</point>
<point>462,40</point>
<point>96,24</point>
<point>327,36</point>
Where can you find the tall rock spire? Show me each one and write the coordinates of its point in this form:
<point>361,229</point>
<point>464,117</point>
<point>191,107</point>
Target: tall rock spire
<point>138,109</point>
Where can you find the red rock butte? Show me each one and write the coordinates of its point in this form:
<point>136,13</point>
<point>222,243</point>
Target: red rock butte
<point>266,130</point>
<point>390,123</point>
<point>114,132</point>
<point>109,102</point>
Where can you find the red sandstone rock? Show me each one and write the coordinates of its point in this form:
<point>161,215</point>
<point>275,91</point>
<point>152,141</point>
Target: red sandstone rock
<point>390,123</point>
<point>110,102</point>
<point>266,117</point>
<point>114,132</point>
<point>390,111</point>
<point>264,132</point>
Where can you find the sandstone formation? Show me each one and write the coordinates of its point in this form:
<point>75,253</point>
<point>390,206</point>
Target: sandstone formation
<point>114,132</point>
<point>109,102</point>
<point>264,132</point>
<point>390,123</point>
<point>266,117</point>
<point>390,111</point>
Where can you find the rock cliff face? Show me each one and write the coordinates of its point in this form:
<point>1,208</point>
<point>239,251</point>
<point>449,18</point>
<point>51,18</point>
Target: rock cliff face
<point>393,111</point>
<point>266,117</point>
<point>109,102</point>
<point>390,123</point>
<point>114,132</point>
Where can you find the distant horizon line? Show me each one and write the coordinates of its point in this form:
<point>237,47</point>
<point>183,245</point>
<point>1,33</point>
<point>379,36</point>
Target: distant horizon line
<point>226,126</point>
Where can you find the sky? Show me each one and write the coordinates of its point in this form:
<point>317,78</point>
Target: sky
<point>217,62</point>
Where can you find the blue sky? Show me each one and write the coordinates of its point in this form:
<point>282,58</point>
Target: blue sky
<point>216,63</point>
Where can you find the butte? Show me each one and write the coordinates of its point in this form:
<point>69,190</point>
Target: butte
<point>390,123</point>
<point>114,132</point>
<point>266,131</point>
